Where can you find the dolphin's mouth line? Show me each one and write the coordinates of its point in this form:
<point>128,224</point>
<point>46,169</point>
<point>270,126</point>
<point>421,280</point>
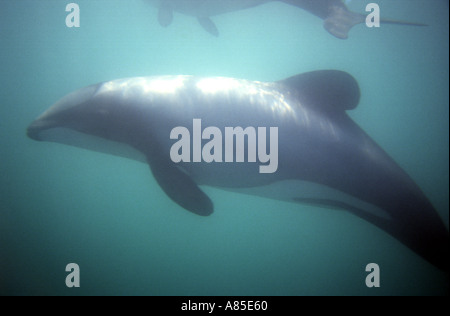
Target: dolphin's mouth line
<point>34,130</point>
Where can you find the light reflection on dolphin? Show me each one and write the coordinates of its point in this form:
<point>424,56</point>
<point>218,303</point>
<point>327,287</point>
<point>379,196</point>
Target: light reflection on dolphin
<point>325,158</point>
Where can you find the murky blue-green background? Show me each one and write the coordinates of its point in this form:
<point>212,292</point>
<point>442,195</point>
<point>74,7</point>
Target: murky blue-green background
<point>60,204</point>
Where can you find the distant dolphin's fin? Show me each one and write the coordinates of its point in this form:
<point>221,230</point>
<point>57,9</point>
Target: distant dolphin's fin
<point>326,90</point>
<point>208,25</point>
<point>338,20</point>
<point>341,20</point>
<point>165,15</point>
<point>179,186</point>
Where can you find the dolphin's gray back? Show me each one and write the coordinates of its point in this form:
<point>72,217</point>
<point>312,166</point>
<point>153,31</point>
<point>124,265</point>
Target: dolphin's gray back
<point>320,8</point>
<point>207,8</point>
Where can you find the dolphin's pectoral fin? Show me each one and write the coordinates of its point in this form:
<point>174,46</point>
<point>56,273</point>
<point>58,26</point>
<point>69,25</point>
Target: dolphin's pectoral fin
<point>340,21</point>
<point>208,25</point>
<point>328,91</point>
<point>165,15</point>
<point>179,186</point>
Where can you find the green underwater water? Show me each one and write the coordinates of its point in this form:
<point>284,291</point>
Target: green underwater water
<point>60,204</point>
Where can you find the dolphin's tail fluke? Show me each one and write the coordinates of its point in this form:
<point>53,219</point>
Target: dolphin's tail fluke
<point>428,236</point>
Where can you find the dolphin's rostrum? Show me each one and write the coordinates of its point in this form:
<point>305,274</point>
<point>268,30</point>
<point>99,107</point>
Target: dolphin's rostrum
<point>324,158</point>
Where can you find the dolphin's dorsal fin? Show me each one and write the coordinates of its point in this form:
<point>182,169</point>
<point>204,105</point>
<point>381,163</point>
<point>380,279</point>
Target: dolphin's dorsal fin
<point>328,90</point>
<point>178,185</point>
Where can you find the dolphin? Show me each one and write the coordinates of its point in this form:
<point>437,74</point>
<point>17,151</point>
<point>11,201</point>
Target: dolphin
<point>323,157</point>
<point>338,20</point>
<point>200,9</point>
